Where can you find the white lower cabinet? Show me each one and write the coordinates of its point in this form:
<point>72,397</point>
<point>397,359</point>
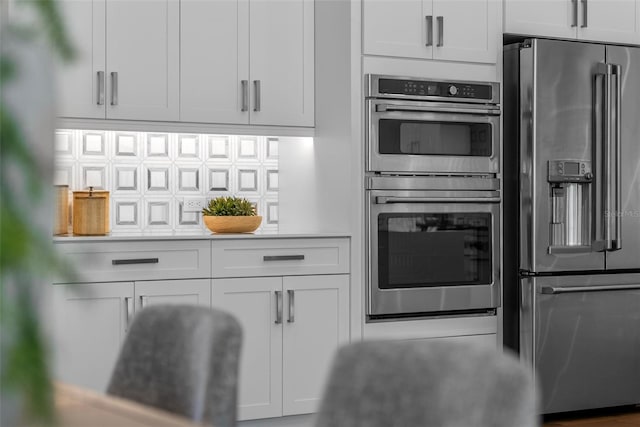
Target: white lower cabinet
<point>292,326</point>
<point>91,320</point>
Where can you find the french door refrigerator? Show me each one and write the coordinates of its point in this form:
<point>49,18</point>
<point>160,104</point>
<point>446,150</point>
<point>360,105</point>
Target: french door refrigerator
<point>572,219</point>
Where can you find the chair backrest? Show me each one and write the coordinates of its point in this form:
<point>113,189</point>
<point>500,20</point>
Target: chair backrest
<point>427,384</point>
<point>183,359</point>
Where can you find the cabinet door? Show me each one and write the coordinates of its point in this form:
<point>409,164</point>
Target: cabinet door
<point>253,302</point>
<point>143,59</point>
<point>398,28</point>
<point>214,61</point>
<point>281,37</point>
<point>81,81</point>
<point>551,18</point>
<point>609,21</point>
<point>467,30</point>
<point>316,323</point>
<point>90,321</point>
<point>192,292</point>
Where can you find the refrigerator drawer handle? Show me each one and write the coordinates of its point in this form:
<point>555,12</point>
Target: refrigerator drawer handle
<point>575,289</point>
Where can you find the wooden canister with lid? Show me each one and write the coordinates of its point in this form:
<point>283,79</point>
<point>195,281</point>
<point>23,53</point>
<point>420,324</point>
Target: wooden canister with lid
<point>91,212</point>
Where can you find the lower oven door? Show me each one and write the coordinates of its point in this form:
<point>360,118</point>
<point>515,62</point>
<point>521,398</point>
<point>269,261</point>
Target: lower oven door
<point>431,255</point>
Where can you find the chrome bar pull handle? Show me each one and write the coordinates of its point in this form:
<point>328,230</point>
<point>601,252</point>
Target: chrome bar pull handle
<point>256,87</point>
<point>278,307</point>
<point>585,15</point>
<point>551,290</point>
<point>143,301</point>
<point>605,70</point>
<point>114,88</point>
<point>245,95</point>
<point>617,215</point>
<point>291,315</point>
<point>429,30</point>
<point>130,261</point>
<point>440,20</point>
<point>128,310</point>
<point>283,257</point>
<point>574,21</point>
<point>100,87</point>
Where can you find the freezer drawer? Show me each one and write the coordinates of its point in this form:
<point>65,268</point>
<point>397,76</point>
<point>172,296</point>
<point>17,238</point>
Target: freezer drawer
<point>586,349</point>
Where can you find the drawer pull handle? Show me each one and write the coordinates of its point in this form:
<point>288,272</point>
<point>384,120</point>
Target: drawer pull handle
<point>135,261</point>
<point>283,257</point>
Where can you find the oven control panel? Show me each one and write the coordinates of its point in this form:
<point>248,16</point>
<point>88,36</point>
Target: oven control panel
<point>419,88</point>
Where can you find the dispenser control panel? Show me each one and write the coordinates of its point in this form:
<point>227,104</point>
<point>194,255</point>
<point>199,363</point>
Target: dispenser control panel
<point>570,171</point>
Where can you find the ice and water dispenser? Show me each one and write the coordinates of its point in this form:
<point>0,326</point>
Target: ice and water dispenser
<point>571,193</point>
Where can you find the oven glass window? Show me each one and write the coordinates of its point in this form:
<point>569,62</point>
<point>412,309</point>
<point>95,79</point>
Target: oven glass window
<point>421,250</point>
<point>434,138</point>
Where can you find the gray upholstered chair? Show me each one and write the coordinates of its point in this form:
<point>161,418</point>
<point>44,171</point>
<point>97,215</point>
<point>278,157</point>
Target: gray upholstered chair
<point>183,359</point>
<point>427,384</point>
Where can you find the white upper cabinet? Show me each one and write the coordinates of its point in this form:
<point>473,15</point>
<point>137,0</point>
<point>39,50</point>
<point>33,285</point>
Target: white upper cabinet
<point>81,82</point>
<point>143,59</point>
<point>247,62</point>
<point>214,61</point>
<point>128,60</point>
<point>613,21</point>
<point>461,30</point>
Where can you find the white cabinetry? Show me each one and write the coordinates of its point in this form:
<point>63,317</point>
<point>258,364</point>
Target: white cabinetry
<point>293,316</point>
<point>616,21</point>
<point>90,319</point>
<point>466,30</point>
<point>247,62</point>
<point>89,325</point>
<point>127,64</point>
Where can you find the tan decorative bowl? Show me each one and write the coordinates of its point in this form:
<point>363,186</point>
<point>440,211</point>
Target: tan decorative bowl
<point>232,224</point>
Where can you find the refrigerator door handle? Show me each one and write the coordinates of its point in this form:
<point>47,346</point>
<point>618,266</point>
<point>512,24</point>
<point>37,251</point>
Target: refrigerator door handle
<point>617,214</point>
<point>610,177</point>
<point>601,119</point>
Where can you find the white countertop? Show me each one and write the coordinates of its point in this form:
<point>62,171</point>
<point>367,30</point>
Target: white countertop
<point>196,235</point>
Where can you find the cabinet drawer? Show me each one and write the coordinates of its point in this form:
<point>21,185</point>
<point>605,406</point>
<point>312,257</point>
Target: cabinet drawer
<point>279,257</point>
<point>150,260</point>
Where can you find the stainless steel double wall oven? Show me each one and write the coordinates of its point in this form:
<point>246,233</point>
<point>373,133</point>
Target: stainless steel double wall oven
<point>432,197</point>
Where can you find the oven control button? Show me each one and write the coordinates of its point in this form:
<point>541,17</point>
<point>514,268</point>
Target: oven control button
<point>453,90</point>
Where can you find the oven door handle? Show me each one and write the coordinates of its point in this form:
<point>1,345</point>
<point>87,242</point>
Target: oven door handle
<point>380,200</point>
<point>470,109</point>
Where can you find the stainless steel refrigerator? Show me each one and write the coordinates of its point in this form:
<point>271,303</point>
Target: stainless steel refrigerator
<point>572,219</point>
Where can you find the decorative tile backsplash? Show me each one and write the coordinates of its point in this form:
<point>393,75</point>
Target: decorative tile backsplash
<point>149,174</point>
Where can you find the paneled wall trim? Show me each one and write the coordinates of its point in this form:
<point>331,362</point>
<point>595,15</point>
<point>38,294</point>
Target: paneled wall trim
<point>148,175</point>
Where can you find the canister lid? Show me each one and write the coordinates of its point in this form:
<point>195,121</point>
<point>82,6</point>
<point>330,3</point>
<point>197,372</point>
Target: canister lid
<point>91,193</point>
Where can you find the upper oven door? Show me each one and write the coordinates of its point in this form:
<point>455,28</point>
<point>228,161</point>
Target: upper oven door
<point>430,254</point>
<point>431,137</point>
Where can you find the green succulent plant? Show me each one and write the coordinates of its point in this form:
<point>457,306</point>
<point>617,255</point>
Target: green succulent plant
<point>229,206</point>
